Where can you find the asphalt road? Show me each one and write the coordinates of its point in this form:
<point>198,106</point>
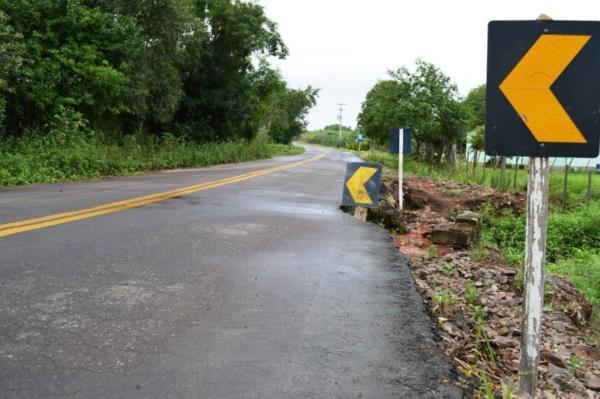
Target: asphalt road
<point>259,288</point>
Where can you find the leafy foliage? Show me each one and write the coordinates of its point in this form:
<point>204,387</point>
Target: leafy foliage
<point>194,67</point>
<point>475,105</point>
<point>425,100</point>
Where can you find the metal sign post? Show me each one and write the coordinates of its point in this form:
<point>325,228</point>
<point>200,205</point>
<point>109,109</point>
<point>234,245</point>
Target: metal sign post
<point>401,144</point>
<point>542,100</point>
<point>401,170</point>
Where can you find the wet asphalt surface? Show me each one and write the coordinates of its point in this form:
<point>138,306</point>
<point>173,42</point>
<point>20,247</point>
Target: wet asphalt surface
<point>260,289</point>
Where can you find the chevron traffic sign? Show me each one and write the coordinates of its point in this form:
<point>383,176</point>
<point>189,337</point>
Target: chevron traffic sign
<point>543,90</point>
<point>361,186</point>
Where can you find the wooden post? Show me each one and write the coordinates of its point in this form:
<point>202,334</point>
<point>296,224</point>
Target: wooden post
<point>503,179</point>
<point>453,151</point>
<point>401,170</point>
<point>484,168</point>
<point>517,164</point>
<point>535,259</point>
<point>565,185</point>
<point>588,196</point>
<point>361,213</point>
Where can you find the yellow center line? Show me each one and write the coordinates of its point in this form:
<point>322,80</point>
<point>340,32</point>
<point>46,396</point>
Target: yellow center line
<point>21,226</point>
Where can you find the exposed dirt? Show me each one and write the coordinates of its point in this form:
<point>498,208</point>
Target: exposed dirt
<point>476,296</point>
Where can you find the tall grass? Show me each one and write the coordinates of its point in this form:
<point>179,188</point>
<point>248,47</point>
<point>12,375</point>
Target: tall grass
<point>492,177</point>
<point>88,155</point>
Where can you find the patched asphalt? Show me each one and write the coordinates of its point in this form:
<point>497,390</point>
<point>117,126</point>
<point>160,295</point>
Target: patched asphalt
<point>259,289</point>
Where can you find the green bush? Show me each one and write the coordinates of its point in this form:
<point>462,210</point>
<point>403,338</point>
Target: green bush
<point>71,152</point>
<point>568,232</point>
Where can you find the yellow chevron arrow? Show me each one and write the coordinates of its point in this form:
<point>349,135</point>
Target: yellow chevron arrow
<point>356,185</point>
<point>527,88</point>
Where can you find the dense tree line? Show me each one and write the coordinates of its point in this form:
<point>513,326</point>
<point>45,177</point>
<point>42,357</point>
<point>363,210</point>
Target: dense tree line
<point>427,101</point>
<point>196,68</point>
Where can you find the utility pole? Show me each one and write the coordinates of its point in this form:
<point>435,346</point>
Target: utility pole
<point>340,117</point>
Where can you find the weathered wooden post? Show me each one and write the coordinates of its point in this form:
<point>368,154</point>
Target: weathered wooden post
<point>588,195</point>
<point>361,213</point>
<point>535,260</point>
<point>517,165</point>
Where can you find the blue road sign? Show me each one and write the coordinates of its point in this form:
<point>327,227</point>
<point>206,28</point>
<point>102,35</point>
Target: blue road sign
<point>394,140</point>
<point>360,139</point>
<point>598,168</point>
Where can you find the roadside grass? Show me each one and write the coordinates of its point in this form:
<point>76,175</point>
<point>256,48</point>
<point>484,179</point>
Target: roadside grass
<point>583,270</point>
<point>279,150</point>
<point>78,155</point>
<point>573,246</point>
<point>576,190</point>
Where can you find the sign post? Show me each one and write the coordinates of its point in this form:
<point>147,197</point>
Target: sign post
<point>537,70</point>
<point>401,144</point>
<point>401,170</point>
<point>535,261</point>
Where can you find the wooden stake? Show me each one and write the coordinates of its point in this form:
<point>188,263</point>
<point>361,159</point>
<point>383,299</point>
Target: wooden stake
<point>503,178</point>
<point>361,213</point>
<point>535,259</point>
<point>565,185</point>
<point>588,196</point>
<point>517,164</point>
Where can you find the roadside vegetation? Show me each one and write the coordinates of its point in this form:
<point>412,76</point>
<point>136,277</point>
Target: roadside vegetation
<point>330,137</point>
<point>102,87</point>
<point>76,156</point>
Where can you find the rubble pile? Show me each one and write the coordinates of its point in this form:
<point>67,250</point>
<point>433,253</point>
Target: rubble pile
<point>476,297</point>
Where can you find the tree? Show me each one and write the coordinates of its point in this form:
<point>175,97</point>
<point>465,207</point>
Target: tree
<point>475,106</point>
<point>194,67</point>
<point>425,100</point>
<point>75,58</point>
<point>336,127</point>
<point>288,116</point>
<point>11,58</point>
<point>218,74</point>
<point>385,107</point>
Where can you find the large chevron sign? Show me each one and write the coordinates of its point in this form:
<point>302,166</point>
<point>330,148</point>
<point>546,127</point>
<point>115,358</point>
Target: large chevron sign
<point>543,91</point>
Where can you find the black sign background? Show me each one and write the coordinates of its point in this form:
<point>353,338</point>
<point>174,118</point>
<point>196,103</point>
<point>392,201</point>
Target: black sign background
<point>577,89</point>
<point>372,186</point>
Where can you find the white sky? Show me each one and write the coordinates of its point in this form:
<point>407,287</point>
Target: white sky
<point>344,47</point>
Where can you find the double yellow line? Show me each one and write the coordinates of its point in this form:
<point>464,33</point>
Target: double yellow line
<point>68,217</point>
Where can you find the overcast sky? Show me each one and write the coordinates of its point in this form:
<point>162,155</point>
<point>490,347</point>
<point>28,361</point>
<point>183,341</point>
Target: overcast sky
<point>344,47</point>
